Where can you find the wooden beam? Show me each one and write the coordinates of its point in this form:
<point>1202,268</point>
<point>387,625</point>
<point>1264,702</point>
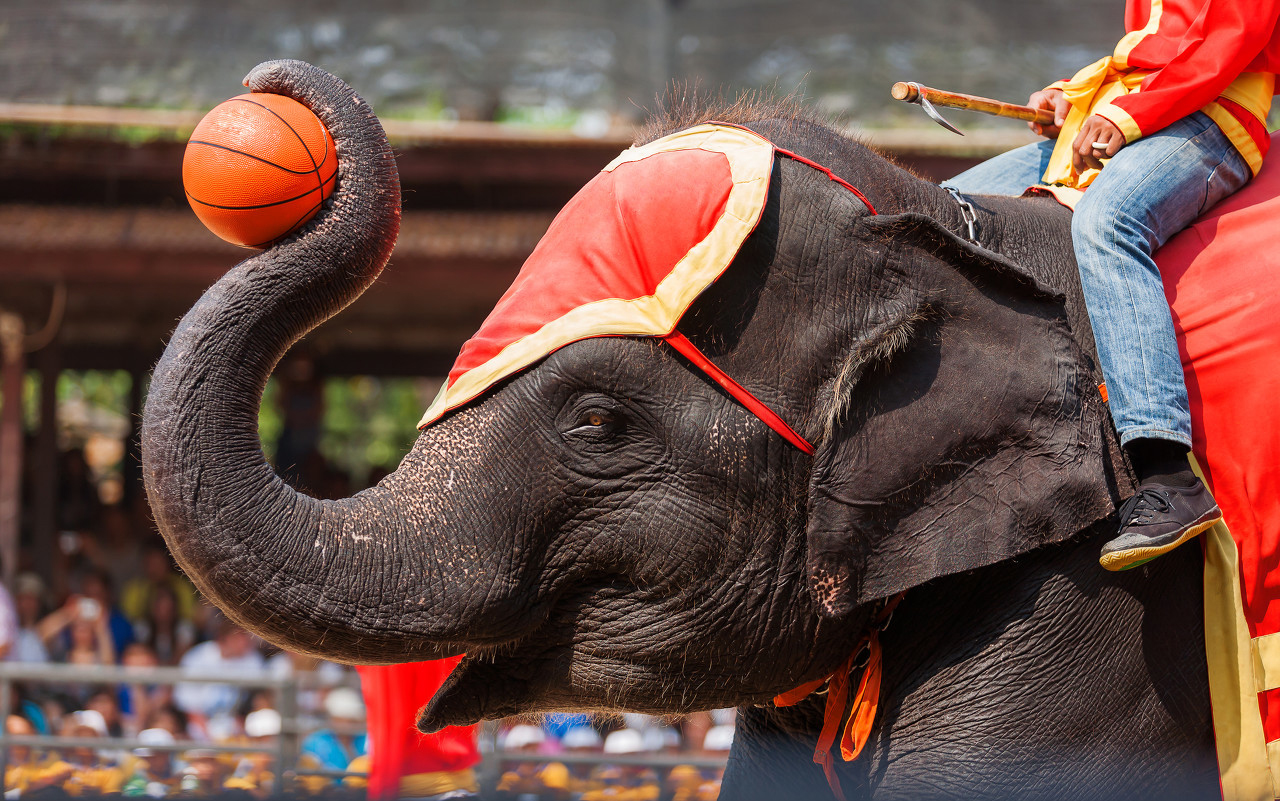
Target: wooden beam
<point>12,369</point>
<point>181,122</point>
<point>44,473</point>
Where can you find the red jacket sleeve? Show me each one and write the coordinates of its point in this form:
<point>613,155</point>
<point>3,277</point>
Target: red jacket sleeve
<point>1221,43</point>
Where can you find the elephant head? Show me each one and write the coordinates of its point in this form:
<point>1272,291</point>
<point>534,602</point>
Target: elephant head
<point>608,528</point>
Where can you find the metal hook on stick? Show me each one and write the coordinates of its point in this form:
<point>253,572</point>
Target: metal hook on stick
<point>927,98</point>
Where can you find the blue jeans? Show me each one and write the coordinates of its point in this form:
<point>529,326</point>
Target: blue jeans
<point>1152,189</point>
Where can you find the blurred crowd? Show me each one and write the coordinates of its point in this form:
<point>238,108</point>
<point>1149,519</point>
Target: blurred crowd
<point>115,598</point>
<point>552,774</point>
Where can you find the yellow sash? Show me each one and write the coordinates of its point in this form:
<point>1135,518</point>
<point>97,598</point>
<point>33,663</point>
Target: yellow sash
<point>1095,85</point>
<point>1092,89</point>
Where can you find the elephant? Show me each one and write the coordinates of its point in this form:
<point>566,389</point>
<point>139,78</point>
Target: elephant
<point>609,530</point>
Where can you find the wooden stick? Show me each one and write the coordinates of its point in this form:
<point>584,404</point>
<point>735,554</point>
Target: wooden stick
<point>912,92</point>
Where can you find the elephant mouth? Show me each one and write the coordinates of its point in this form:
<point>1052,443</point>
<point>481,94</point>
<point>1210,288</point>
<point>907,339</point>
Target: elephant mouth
<point>586,659</point>
<point>561,678</point>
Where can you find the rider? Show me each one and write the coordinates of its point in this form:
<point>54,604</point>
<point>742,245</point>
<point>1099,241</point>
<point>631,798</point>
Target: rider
<point>1177,114</point>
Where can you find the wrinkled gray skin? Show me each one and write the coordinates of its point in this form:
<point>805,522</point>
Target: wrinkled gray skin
<point>608,530</point>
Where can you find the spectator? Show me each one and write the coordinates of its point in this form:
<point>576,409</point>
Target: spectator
<point>162,628</point>
<point>334,748</point>
<point>170,718</point>
<point>203,775</point>
<point>630,782</point>
<point>157,569</point>
<point>153,775</point>
<point>525,779</point>
<point>29,601</point>
<point>79,632</point>
<point>137,700</point>
<point>105,703</point>
<point>211,706</point>
<point>25,774</point>
<point>254,773</point>
<point>114,546</point>
<point>583,741</point>
<point>253,700</point>
<point>89,773</point>
<point>357,777</point>
<point>97,585</point>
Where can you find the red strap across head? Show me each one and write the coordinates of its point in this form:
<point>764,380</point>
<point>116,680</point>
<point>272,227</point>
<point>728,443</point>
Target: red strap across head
<point>739,393</point>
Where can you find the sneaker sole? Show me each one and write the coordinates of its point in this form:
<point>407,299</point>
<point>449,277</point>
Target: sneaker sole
<point>1134,557</point>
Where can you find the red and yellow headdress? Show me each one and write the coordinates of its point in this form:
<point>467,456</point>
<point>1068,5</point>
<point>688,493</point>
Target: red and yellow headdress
<point>627,256</point>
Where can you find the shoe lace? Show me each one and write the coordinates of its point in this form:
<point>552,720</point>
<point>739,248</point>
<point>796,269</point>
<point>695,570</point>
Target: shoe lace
<point>1143,506</point>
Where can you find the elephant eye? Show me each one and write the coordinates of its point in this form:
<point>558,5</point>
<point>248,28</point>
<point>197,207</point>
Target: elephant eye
<point>595,419</point>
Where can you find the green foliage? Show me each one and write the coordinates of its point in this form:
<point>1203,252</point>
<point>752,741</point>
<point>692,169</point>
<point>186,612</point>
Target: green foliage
<point>30,401</point>
<point>107,390</point>
<point>371,422</point>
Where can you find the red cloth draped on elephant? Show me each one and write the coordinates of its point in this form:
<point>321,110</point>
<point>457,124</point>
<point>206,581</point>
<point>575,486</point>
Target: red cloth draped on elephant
<point>393,694</point>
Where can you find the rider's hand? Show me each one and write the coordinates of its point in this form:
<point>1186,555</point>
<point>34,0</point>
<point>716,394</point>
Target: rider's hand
<point>1054,100</point>
<point>1099,138</point>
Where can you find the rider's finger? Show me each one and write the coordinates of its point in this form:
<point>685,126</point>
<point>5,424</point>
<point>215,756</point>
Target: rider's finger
<point>1060,108</point>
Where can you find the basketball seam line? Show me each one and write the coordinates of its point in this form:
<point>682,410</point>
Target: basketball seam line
<point>195,199</point>
<point>325,138</point>
<point>255,158</point>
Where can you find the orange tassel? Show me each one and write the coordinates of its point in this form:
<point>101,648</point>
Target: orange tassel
<point>865,704</point>
<point>862,717</point>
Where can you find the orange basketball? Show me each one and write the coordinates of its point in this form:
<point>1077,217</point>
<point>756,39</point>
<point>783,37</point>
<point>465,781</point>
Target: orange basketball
<point>257,167</point>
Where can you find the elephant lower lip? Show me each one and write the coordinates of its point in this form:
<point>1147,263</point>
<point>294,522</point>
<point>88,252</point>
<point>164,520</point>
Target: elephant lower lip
<point>460,701</point>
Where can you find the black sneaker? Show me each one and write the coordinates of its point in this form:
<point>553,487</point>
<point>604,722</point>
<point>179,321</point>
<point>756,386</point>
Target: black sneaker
<point>1156,520</point>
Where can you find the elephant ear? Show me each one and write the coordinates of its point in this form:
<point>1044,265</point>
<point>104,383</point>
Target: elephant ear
<point>965,427</point>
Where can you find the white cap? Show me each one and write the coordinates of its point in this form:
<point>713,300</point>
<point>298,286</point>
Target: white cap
<point>150,737</point>
<point>521,736</point>
<point>624,741</point>
<point>637,721</point>
<point>93,719</point>
<point>345,703</point>
<point>262,723</point>
<point>718,738</point>
<point>660,737</point>
<point>581,737</point>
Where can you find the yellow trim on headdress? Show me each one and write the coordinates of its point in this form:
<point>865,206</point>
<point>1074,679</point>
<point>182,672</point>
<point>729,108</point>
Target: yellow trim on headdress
<point>750,159</point>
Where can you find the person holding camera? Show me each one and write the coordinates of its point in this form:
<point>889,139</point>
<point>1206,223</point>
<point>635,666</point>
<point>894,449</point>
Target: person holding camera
<point>78,633</point>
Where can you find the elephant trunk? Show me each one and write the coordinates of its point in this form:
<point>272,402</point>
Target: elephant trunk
<point>296,570</point>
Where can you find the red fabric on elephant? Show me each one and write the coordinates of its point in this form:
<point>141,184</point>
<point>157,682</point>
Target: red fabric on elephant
<point>626,257</point>
<point>1222,278</point>
<point>617,238</point>
<point>393,694</point>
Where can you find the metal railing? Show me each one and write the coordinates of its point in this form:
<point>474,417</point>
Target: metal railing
<point>287,745</point>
